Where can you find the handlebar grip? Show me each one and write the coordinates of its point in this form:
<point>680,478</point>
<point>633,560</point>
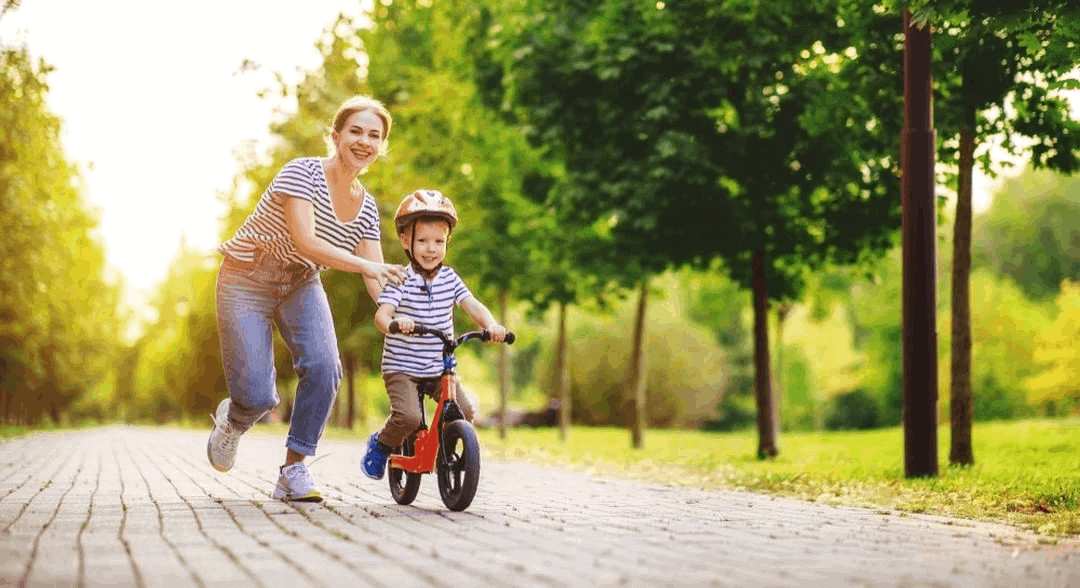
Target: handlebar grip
<point>395,328</point>
<point>508,338</point>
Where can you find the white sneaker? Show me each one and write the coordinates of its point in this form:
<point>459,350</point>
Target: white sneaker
<point>221,447</point>
<point>295,484</point>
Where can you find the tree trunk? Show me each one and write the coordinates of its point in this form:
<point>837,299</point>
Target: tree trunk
<point>350,387</point>
<point>562,375</point>
<point>766,406</point>
<point>638,379</point>
<point>960,404</point>
<point>504,365</point>
<point>919,228</point>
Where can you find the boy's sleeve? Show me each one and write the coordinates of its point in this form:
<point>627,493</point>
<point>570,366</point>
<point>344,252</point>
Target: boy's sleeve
<point>391,295</point>
<point>294,180</point>
<point>461,291</point>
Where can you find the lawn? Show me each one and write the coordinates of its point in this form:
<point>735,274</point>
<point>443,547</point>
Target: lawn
<point>1026,473</point>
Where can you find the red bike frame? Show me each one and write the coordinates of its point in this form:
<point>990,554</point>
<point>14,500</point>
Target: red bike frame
<point>426,446</point>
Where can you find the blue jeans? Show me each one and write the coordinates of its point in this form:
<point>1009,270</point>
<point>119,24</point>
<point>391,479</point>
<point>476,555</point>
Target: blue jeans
<point>254,297</point>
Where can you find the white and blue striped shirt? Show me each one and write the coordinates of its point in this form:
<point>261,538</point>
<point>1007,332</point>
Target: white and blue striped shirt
<point>427,303</point>
<point>265,228</point>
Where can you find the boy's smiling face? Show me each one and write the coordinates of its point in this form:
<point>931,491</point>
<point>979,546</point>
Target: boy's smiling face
<point>427,242</point>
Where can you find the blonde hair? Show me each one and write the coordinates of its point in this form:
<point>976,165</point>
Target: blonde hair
<point>359,104</point>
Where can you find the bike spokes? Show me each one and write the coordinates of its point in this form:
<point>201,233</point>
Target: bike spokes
<point>459,465</point>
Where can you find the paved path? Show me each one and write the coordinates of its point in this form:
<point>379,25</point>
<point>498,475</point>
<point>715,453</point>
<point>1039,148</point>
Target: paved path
<point>142,507</point>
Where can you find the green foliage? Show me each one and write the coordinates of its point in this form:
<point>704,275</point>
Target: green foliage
<point>1057,354</point>
<point>715,301</point>
<point>735,413</point>
<point>798,405</point>
<point>996,67</point>
<point>1005,326</point>
<point>857,409</point>
<point>59,322</point>
<point>686,369</point>
<point>177,371</point>
<point>426,61</point>
<point>833,360</point>
<point>733,144</point>
<point>1032,232</point>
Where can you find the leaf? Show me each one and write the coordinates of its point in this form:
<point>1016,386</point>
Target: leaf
<point>1065,84</point>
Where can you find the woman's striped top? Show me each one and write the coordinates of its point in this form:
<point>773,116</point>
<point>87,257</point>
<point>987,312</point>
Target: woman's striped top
<point>427,303</point>
<point>265,228</point>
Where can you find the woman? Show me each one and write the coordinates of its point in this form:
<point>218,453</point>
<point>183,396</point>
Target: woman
<point>314,215</point>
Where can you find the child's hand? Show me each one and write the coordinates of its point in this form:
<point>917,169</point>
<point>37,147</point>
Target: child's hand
<point>405,325</point>
<point>496,333</point>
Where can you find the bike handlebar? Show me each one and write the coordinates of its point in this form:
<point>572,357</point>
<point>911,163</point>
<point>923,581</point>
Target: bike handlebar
<point>395,328</point>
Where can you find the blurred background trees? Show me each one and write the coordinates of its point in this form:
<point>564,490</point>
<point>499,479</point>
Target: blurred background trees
<point>60,326</point>
<point>591,148</point>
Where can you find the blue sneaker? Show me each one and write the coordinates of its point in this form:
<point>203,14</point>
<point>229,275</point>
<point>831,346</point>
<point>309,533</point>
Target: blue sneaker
<point>374,463</point>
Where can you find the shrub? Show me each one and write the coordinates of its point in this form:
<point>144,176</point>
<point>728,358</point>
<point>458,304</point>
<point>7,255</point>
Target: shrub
<point>854,410</point>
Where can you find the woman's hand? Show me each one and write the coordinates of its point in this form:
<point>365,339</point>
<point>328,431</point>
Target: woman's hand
<point>384,273</point>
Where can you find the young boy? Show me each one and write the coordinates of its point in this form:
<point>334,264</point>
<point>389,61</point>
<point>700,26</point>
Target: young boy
<point>424,221</point>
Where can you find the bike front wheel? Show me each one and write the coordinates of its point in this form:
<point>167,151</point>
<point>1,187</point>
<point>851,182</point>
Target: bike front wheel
<point>404,485</point>
<point>458,465</point>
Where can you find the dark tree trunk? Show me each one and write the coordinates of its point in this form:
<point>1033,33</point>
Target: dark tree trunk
<point>960,404</point>
<point>638,373</point>
<point>766,406</point>
<point>919,312</point>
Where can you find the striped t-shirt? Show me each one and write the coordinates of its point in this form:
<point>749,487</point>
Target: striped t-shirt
<point>265,228</point>
<point>427,303</point>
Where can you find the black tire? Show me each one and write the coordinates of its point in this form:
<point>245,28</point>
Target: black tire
<point>458,465</point>
<point>404,485</point>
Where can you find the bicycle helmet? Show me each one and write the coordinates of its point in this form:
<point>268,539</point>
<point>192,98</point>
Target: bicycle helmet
<point>424,204</point>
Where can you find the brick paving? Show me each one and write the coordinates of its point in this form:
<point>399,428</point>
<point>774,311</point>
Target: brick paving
<point>142,507</point>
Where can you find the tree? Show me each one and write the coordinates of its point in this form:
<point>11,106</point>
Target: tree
<point>996,68</point>
<point>753,143</point>
<point>59,319</point>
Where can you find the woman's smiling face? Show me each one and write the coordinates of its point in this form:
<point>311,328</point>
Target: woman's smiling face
<point>360,139</point>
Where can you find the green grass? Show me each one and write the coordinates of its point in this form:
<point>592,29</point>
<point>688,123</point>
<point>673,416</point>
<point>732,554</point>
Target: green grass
<point>1026,473</point>
<point>9,431</point>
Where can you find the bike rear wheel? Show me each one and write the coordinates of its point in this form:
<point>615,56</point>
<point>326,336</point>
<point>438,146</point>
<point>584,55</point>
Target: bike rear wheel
<point>458,465</point>
<point>404,485</point>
